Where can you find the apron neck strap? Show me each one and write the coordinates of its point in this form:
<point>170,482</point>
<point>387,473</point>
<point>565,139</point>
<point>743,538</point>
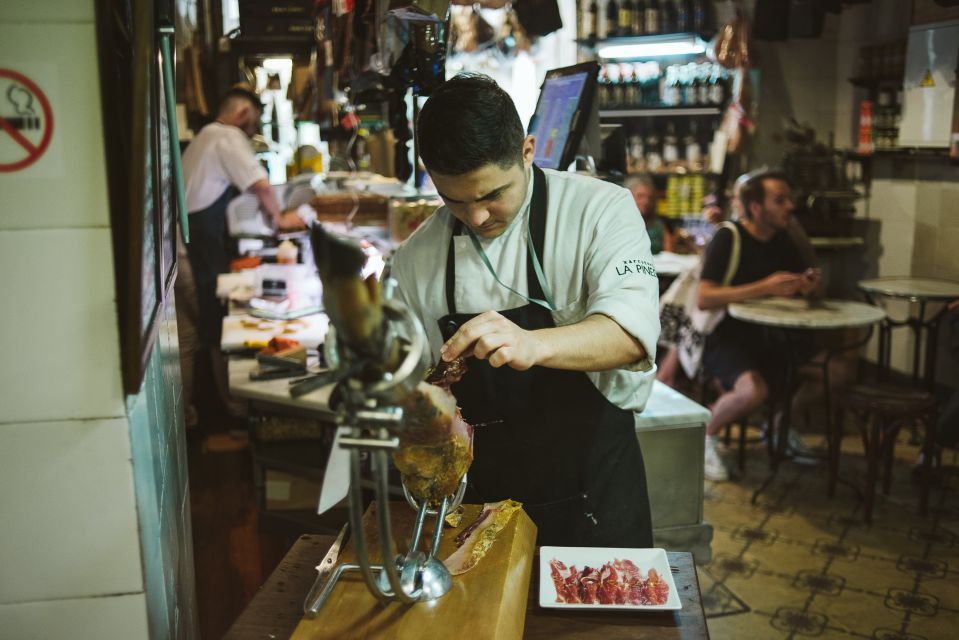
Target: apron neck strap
<point>539,292</point>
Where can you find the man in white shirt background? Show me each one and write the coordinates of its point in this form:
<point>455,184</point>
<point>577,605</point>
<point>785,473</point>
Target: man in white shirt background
<point>217,165</point>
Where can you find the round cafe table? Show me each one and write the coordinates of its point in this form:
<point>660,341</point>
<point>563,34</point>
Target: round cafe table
<point>923,291</point>
<point>793,315</point>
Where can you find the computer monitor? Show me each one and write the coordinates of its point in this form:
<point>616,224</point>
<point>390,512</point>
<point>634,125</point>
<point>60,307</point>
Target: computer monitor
<point>565,107</point>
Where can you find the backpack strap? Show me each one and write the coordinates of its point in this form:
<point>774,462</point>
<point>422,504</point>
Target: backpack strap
<point>733,265</point>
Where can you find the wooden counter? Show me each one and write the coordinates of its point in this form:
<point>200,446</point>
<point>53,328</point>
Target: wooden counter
<point>278,606</point>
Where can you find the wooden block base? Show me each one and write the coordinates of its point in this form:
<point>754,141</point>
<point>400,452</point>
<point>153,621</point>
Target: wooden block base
<point>487,602</point>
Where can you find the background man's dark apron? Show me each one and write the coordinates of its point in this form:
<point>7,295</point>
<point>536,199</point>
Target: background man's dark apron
<point>562,449</point>
<point>210,256</point>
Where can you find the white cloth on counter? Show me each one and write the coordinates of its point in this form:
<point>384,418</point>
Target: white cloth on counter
<point>219,156</point>
<point>596,260</point>
<point>245,218</point>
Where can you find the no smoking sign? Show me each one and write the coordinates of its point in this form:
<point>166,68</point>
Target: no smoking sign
<point>26,121</point>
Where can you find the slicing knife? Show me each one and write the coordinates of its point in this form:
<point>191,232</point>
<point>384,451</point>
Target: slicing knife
<point>323,570</point>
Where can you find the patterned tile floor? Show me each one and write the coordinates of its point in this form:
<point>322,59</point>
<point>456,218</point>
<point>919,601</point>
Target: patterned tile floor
<point>798,564</point>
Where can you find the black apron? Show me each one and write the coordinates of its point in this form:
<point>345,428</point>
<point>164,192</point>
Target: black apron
<point>556,443</point>
<point>210,256</point>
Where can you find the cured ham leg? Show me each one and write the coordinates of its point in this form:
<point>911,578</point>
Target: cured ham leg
<point>436,448</point>
<point>436,445</point>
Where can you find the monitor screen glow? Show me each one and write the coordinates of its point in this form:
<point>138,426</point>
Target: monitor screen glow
<point>553,120</point>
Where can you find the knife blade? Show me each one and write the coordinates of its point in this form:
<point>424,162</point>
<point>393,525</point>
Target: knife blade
<point>323,570</point>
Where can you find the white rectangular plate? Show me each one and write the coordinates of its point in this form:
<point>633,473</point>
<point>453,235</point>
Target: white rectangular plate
<point>596,557</point>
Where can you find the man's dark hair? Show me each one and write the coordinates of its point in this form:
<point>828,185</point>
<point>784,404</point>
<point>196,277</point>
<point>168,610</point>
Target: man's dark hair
<point>237,94</point>
<point>469,122</point>
<point>754,190</point>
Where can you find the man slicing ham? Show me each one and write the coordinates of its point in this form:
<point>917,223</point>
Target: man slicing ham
<point>542,280</point>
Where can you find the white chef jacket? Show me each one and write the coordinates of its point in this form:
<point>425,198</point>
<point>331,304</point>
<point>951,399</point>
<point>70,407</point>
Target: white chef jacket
<point>219,156</point>
<point>597,261</point>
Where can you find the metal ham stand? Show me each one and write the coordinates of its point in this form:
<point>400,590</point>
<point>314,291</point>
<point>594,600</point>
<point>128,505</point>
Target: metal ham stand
<point>371,411</point>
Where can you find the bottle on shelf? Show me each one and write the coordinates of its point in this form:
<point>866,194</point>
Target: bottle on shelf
<point>670,147</point>
<point>612,94</point>
<point>698,15</point>
<point>652,17</point>
<point>639,18</point>
<point>630,92</point>
<point>604,87</point>
<point>592,20</point>
<point>612,18</point>
<point>601,25</point>
<point>682,16</point>
<point>582,18</point>
<point>693,152</point>
<point>626,10</point>
<point>672,93</point>
<point>703,74</point>
<point>654,160</point>
<point>688,91</point>
<point>636,159</point>
<point>719,89</point>
<point>667,17</point>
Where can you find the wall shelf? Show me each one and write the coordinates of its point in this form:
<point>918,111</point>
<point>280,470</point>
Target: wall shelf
<point>656,38</point>
<point>660,112</point>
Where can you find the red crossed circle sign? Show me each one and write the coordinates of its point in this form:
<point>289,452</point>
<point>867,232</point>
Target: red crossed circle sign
<point>31,151</point>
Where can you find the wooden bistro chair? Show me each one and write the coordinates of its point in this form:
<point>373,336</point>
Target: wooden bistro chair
<point>880,410</point>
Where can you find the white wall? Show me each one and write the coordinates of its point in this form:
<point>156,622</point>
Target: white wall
<point>69,541</point>
<point>808,79</point>
<point>915,203</point>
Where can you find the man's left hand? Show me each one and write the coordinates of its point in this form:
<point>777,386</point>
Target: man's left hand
<point>490,336</point>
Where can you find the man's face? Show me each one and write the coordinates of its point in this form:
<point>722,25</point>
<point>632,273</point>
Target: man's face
<point>777,205</point>
<point>250,121</point>
<point>487,199</point>
<point>643,196</point>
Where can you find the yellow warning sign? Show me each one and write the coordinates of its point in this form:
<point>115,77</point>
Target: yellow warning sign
<point>927,80</point>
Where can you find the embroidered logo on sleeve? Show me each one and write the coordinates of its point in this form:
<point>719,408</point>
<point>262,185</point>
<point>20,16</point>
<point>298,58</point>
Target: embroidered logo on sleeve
<point>637,267</point>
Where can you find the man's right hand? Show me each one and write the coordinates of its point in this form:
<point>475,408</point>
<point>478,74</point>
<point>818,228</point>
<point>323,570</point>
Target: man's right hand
<point>290,221</point>
<point>782,283</point>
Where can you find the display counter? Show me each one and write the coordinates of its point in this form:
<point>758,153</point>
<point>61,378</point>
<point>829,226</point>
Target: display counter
<point>277,607</point>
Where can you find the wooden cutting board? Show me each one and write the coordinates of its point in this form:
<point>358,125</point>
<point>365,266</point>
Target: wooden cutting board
<point>486,602</point>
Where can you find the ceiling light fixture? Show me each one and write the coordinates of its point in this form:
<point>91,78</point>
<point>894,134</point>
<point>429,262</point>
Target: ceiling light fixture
<point>655,47</point>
